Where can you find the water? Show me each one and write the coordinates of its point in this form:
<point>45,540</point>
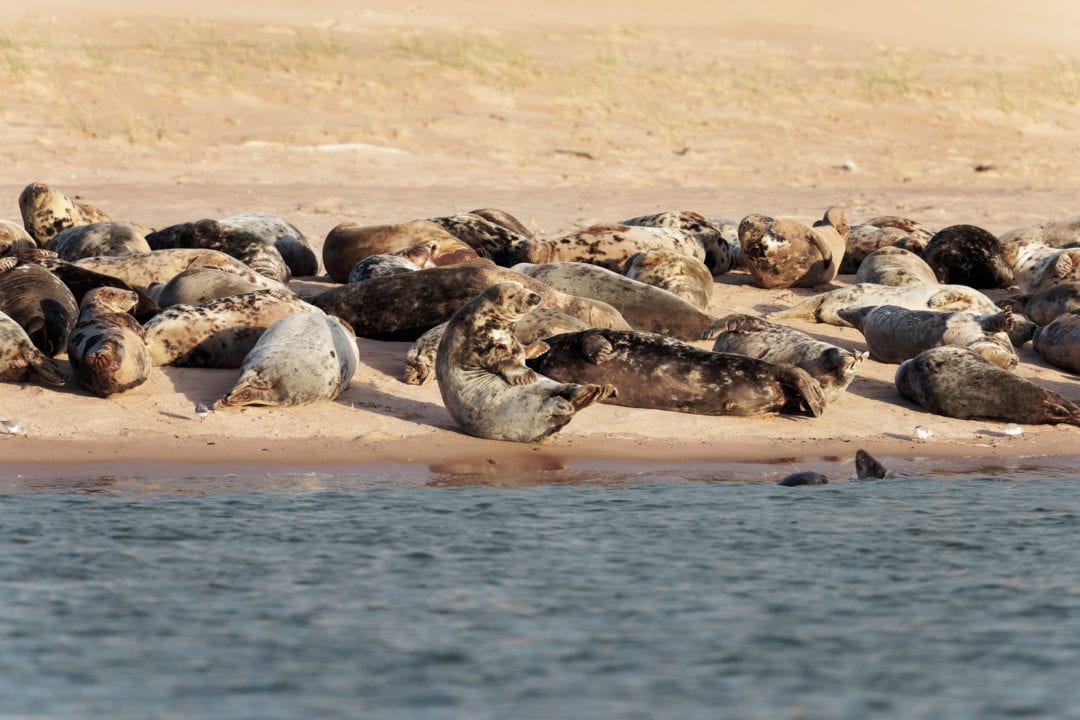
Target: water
<point>909,598</point>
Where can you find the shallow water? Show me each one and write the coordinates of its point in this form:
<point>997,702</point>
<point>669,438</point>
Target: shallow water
<point>327,596</point>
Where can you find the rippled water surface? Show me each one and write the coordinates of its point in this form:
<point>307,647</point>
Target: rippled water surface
<point>907,598</point>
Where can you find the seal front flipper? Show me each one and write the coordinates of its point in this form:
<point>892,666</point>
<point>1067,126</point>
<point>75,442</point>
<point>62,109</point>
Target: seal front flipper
<point>536,349</point>
<point>595,347</point>
<point>805,396</point>
<point>999,322</point>
<point>584,395</point>
<point>251,390</point>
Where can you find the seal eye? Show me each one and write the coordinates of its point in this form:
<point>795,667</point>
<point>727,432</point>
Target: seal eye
<point>533,299</point>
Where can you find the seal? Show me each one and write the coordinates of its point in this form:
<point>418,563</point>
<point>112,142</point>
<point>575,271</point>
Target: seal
<point>348,243</point>
<point>825,307</point>
<point>1058,343</point>
<point>161,266</point>
<point>805,477</point>
<point>404,307</point>
<point>501,217</point>
<point>410,259</point>
<point>662,373</point>
<point>1038,267</point>
<point>46,211</point>
<point>536,325</point>
<point>1042,307</point>
<point>496,241</point>
<point>20,361</point>
<point>218,333</point>
<point>896,267</point>
<point>97,238</point>
<point>957,382</point>
<point>484,382</point>
<point>719,237</point>
<point>831,366</point>
<point>883,231</point>
<point>894,334</point>
<point>868,467</point>
<point>39,302</point>
<point>14,239</point>
<point>81,280</point>
<point>1061,233</point>
<point>294,247</point>
<point>679,274</point>
<point>232,239</point>
<point>301,359</point>
<point>106,348</point>
<point>610,246</point>
<point>643,306</point>
<point>200,284</point>
<point>786,253</point>
<point>968,255</point>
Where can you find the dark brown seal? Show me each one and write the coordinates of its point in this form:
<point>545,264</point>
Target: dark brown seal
<point>20,361</point>
<point>38,300</point>
<point>1059,342</point>
<point>107,352</point>
<point>348,243</point>
<point>787,253</point>
<point>968,255</point>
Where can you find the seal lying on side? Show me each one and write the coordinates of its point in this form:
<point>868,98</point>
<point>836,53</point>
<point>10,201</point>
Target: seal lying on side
<point>1061,233</point>
<point>722,252</point>
<point>1038,267</point>
<point>536,325</point>
<point>1042,307</point>
<point>161,266</point>
<point>968,255</point>
<point>1059,342</point>
<point>896,267</point>
<point>300,359</point>
<point>879,232</point>
<point>502,242</point>
<point>410,259</point>
<point>200,284</point>
<point>484,382</point>
<point>786,253</point>
<point>679,274</point>
<point>80,280</point>
<point>20,361</point>
<point>293,246</point>
<point>610,246</point>
<point>37,300</point>
<point>825,307</point>
<point>107,352</point>
<point>894,334</point>
<point>98,238</point>
<point>833,367</point>
<point>14,239</point>
<point>653,371</point>
<point>232,239</point>
<point>46,211</point>
<point>957,382</point>
<point>348,243</point>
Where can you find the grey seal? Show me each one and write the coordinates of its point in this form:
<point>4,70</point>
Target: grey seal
<point>610,246</point>
<point>679,274</point>
<point>968,255</point>
<point>20,361</point>
<point>718,237</point>
<point>824,307</point>
<point>107,349</point>
<point>98,238</point>
<point>1059,342</point>
<point>787,253</point>
<point>46,211</point>
<point>895,266</point>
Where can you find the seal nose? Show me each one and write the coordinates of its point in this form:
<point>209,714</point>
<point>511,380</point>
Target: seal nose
<point>533,299</point>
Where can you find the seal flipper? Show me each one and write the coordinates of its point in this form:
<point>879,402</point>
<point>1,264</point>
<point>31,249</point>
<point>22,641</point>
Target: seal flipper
<point>595,347</point>
<point>867,467</point>
<point>804,393</point>
<point>250,390</point>
<point>806,310</point>
<point>999,322</point>
<point>44,371</point>
<point>581,396</point>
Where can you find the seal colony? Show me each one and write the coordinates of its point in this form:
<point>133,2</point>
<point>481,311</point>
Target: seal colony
<point>625,320</point>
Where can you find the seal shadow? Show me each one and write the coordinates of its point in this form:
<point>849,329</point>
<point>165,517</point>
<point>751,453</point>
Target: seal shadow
<point>384,356</point>
<point>369,397</point>
<point>874,389</point>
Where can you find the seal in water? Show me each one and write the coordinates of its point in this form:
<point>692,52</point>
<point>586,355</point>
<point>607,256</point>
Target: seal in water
<point>107,352</point>
<point>968,255</point>
<point>20,361</point>
<point>46,211</point>
<point>786,253</point>
<point>805,477</point>
<point>679,274</point>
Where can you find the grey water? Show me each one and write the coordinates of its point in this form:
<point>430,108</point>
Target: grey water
<point>949,597</point>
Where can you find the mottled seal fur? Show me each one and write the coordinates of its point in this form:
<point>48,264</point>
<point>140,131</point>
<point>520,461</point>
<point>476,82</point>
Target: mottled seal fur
<point>505,219</point>
<point>833,367</point>
<point>883,231</point>
<point>404,307</point>
<point>98,238</point>
<point>787,253</point>
<point>233,239</point>
<point>218,333</point>
<point>294,247</point>
<point>161,266</point>
<point>1042,307</point>
<point>1061,233</point>
<point>300,359</point>
<point>610,246</point>
<point>20,361</point>
<point>485,384</point>
<point>410,259</point>
<point>968,255</point>
<point>675,272</point>
<point>39,302</point>
<point>643,306</point>
<point>82,280</point>
<point>538,324</point>
<point>497,241</point>
<point>720,246</point>
<point>662,373</point>
<point>107,351</point>
<point>957,382</point>
<point>199,284</point>
<point>1039,267</point>
<point>14,238</point>
<point>1058,343</point>
<point>894,334</point>
<point>348,243</point>
<point>46,211</point>
<point>895,266</point>
<point>824,307</point>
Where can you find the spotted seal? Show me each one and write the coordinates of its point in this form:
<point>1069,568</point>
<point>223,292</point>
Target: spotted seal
<point>883,231</point>
<point>894,334</point>
<point>199,284</point>
<point>20,361</point>
<point>1058,343</point>
<point>218,333</point>
<point>679,274</point>
<point>349,242</point>
<point>662,373</point>
<point>404,307</point>
<point>107,351</point>
<point>46,211</point>
<point>98,238</point>
<point>895,266</point>
<point>832,367</point>
<point>14,238</point>
<point>484,382</point>
<point>1061,233</point>
<point>234,240</point>
<point>161,266</point>
<point>410,259</point>
<point>968,255</point>
<point>610,246</point>
<point>825,307</point>
<point>787,253</point>
<point>495,239</point>
<point>957,382</point>
<point>505,219</point>
<point>718,236</point>
<point>1042,307</point>
<point>294,247</point>
<point>301,359</point>
<point>1038,267</point>
<point>39,302</point>
<point>82,280</point>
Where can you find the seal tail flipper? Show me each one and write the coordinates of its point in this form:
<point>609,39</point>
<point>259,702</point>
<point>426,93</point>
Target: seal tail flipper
<point>806,310</point>
<point>45,371</point>
<point>867,467</point>
<point>805,396</point>
<point>581,396</point>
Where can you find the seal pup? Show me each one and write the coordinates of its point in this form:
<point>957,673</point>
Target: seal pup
<point>97,238</point>
<point>232,239</point>
<point>348,243</point>
<point>644,307</point>
<point>824,307</point>
<point>719,240</point>
<point>679,274</point>
<point>493,240</point>
<point>300,359</point>
<point>538,324</point>
<point>610,246</point>
<point>483,379</point>
<point>20,361</point>
<point>46,211</point>
<point>883,231</point>
<point>14,238</point>
<point>39,302</point>
<point>894,334</point>
<point>1059,342</point>
<point>896,267</point>
<point>833,367</point>
<point>662,373</point>
<point>1043,306</point>
<point>200,284</point>
<point>161,266</point>
<point>786,253</point>
<point>218,333</point>
<point>107,352</point>
<point>958,382</point>
<point>968,255</point>
<point>410,259</point>
<point>404,307</point>
<point>293,246</point>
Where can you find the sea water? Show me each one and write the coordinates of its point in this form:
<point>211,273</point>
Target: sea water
<point>664,598</point>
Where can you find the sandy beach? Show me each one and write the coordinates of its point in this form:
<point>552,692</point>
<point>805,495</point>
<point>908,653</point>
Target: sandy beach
<point>563,118</point>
